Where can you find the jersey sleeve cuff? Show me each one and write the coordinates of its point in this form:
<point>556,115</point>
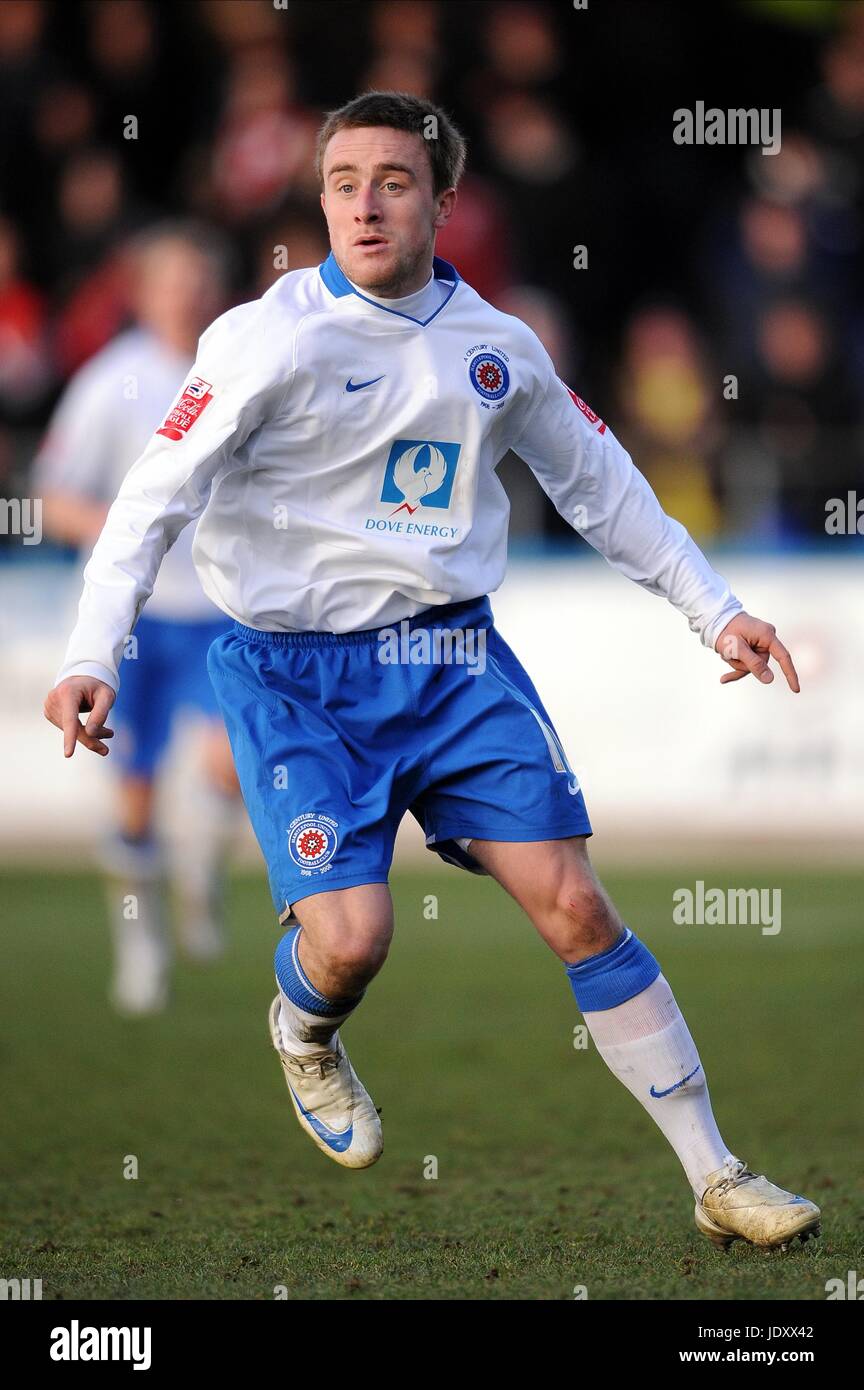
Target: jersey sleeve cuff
<point>89,668</point>
<point>715,626</point>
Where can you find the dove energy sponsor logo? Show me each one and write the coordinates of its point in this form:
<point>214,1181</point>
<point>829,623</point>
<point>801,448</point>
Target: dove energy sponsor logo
<point>419,476</point>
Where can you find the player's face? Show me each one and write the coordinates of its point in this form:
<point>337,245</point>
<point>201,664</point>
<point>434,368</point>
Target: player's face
<point>381,212</point>
<point>177,292</point>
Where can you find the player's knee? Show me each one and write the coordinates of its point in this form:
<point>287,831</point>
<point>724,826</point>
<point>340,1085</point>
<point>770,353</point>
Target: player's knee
<point>350,951</point>
<point>588,921</point>
<point>345,938</point>
<point>219,763</point>
<point>361,953</point>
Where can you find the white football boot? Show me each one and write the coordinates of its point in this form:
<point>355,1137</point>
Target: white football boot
<point>738,1204</point>
<point>332,1105</point>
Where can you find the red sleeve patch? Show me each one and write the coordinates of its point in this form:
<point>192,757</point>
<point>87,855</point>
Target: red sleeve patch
<point>197,395</point>
<point>586,410</point>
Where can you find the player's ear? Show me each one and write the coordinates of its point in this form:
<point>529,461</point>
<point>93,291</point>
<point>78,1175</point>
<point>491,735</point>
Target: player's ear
<point>446,206</point>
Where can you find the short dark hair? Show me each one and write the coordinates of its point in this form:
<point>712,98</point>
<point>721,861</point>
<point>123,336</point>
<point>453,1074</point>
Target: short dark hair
<point>402,111</point>
<point>202,237</point>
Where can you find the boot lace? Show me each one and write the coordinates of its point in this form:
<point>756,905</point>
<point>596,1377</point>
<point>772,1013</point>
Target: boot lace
<point>741,1174</point>
<point>323,1065</point>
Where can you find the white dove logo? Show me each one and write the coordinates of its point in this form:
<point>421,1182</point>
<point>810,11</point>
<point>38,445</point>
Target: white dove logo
<point>416,483</point>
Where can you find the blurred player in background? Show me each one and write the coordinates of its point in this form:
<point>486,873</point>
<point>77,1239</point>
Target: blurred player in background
<point>178,278</point>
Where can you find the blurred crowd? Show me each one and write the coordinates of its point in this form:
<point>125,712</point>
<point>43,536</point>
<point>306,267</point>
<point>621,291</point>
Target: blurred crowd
<point>718,325</point>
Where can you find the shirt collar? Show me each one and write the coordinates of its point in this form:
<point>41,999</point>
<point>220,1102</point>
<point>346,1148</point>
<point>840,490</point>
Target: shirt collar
<point>339,285</point>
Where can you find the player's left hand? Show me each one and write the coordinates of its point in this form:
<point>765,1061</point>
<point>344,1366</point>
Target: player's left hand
<point>746,643</point>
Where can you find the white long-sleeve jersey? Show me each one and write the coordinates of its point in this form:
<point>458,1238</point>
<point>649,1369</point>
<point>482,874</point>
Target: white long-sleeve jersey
<point>341,454</point>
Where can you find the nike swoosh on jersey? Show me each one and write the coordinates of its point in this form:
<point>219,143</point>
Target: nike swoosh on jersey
<point>359,385</point>
<point>659,1094</point>
<point>338,1142</point>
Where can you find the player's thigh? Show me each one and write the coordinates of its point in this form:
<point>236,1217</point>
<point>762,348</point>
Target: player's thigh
<point>135,803</point>
<point>555,884</point>
<point>217,758</point>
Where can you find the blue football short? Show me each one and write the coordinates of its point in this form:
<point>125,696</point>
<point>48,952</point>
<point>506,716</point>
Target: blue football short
<point>335,737</point>
<point>167,673</point>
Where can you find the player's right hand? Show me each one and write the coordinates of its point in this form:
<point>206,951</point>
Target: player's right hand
<point>81,694</point>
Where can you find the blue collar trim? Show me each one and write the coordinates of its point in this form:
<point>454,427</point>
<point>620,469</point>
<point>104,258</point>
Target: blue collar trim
<point>339,285</point>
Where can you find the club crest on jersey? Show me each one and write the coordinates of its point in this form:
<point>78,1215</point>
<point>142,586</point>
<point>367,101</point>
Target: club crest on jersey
<point>312,841</point>
<point>586,409</point>
<point>419,473</point>
<point>488,373</point>
<point>195,398</point>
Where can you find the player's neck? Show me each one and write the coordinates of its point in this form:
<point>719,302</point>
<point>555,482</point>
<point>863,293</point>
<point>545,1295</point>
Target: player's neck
<point>395,301</point>
<point>175,337</point>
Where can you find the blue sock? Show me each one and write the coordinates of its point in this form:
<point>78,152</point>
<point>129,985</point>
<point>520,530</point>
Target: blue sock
<point>614,975</point>
<point>296,985</point>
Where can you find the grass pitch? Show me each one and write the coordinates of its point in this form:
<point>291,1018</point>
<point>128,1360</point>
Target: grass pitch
<point>549,1175</point>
